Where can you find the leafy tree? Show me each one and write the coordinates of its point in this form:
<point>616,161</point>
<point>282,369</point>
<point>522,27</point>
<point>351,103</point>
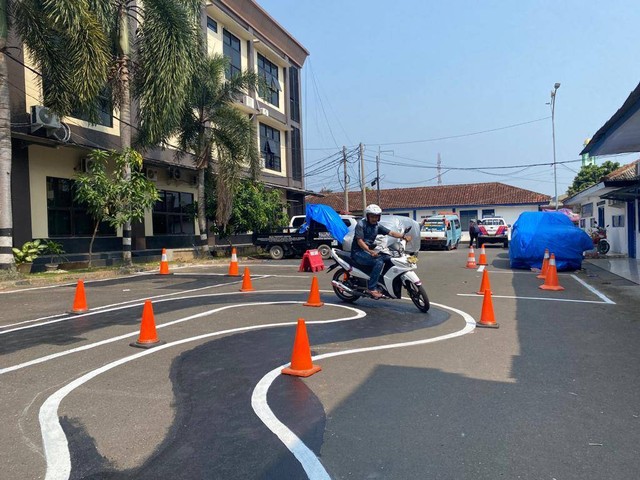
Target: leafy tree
<point>115,197</point>
<point>212,126</point>
<point>590,175</point>
<point>255,208</point>
<point>69,46</point>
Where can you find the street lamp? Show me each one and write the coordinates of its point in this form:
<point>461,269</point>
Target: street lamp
<point>553,133</point>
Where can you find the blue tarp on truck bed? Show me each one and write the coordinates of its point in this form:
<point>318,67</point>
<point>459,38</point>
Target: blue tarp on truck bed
<point>328,217</point>
<point>535,231</point>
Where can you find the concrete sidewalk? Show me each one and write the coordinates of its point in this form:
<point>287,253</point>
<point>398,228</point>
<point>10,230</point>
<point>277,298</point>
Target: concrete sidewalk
<point>628,268</point>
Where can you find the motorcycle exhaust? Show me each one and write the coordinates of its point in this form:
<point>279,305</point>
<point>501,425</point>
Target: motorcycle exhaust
<point>342,287</point>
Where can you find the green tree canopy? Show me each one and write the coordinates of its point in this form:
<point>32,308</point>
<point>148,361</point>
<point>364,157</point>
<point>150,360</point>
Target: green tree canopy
<point>590,175</point>
<point>113,196</point>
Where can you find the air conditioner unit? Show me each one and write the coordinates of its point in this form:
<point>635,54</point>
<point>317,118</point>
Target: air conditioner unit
<point>264,111</point>
<point>86,165</point>
<point>248,101</point>
<point>175,173</point>
<point>152,174</point>
<point>43,117</point>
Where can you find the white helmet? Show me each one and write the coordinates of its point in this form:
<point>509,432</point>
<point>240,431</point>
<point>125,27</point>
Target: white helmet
<point>373,209</point>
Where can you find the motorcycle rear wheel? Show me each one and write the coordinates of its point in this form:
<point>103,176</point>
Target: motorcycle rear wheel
<point>418,296</point>
<point>603,247</point>
<point>342,276</point>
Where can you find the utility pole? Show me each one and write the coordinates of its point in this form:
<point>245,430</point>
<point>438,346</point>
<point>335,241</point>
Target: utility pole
<point>346,181</point>
<point>362,184</point>
<point>439,169</point>
<point>378,176</point>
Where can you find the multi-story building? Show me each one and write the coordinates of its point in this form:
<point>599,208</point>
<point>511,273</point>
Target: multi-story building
<point>47,152</point>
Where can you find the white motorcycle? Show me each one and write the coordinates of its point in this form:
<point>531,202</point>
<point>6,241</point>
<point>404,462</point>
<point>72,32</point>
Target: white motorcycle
<point>350,279</point>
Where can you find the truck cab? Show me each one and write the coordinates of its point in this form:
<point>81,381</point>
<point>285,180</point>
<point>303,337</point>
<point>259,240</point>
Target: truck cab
<point>441,231</point>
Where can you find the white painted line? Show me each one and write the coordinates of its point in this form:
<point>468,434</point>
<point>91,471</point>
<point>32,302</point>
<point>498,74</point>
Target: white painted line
<point>56,447</point>
<point>311,464</point>
<point>594,291</point>
<point>89,346</point>
<point>534,298</point>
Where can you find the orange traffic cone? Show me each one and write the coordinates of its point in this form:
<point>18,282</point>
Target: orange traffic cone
<point>80,300</point>
<point>484,284</point>
<point>471,259</point>
<point>487,318</point>
<point>246,281</point>
<point>314,295</point>
<point>148,337</point>
<point>483,257</point>
<point>551,279</point>
<point>233,266</point>
<point>301,364</point>
<point>545,264</point>
<point>164,264</point>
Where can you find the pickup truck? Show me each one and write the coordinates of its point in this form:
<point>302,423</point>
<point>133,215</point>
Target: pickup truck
<point>292,243</point>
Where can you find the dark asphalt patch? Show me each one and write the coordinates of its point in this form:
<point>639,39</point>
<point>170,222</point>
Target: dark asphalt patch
<point>215,433</point>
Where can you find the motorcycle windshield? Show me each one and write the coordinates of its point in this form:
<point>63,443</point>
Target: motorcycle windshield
<point>399,223</point>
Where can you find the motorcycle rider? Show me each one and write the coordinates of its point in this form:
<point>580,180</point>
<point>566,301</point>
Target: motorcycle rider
<point>362,249</point>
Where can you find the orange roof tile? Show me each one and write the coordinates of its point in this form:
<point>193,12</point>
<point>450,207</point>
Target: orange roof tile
<point>493,193</point>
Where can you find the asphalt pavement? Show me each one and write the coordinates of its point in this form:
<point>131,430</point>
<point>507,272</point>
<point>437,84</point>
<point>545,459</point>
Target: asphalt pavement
<point>551,394</point>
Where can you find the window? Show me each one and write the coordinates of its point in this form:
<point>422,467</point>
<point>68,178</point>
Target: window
<point>269,71</point>
<point>587,210</point>
<point>103,113</point>
<point>231,50</point>
<point>617,221</point>
<point>65,216</point>
<point>212,25</point>
<point>270,147</point>
<point>294,94</point>
<point>490,212</point>
<point>173,214</point>
<point>296,154</point>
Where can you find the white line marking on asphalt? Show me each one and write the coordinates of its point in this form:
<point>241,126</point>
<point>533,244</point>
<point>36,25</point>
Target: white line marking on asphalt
<point>89,346</point>
<point>311,464</point>
<point>594,290</point>
<point>535,298</point>
<point>56,447</point>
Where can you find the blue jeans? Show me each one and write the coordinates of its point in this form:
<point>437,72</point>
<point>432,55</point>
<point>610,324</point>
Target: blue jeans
<point>363,258</point>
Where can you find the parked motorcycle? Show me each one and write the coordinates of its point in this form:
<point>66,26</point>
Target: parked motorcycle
<point>350,279</point>
<point>599,237</point>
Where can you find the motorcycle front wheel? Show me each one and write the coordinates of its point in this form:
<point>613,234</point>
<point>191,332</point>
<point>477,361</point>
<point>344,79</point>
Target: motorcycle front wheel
<point>342,276</point>
<point>418,296</point>
<point>603,247</point>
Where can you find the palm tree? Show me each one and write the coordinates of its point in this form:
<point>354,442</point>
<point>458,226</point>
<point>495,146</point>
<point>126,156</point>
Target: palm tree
<point>69,47</point>
<point>82,47</point>
<point>212,126</point>
<point>165,62</point>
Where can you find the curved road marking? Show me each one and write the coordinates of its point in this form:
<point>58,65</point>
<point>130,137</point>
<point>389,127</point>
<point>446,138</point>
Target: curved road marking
<point>56,447</point>
<point>311,464</point>
<point>89,346</point>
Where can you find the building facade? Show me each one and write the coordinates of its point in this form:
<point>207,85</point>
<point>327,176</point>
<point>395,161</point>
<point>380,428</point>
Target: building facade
<point>47,152</point>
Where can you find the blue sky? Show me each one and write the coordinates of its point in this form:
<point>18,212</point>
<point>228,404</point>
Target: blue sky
<point>384,72</point>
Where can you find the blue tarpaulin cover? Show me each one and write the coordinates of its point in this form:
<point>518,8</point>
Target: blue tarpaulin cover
<point>328,217</point>
<point>533,232</point>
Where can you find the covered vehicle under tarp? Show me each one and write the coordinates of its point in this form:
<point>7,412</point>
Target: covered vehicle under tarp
<point>395,223</point>
<point>328,217</point>
<point>534,232</point>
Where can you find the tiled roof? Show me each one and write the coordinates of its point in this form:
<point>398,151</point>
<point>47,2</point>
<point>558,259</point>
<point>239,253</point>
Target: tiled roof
<point>440,196</point>
<point>626,172</point>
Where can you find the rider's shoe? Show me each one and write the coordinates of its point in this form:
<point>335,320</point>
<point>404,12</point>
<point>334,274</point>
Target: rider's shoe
<point>375,294</point>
